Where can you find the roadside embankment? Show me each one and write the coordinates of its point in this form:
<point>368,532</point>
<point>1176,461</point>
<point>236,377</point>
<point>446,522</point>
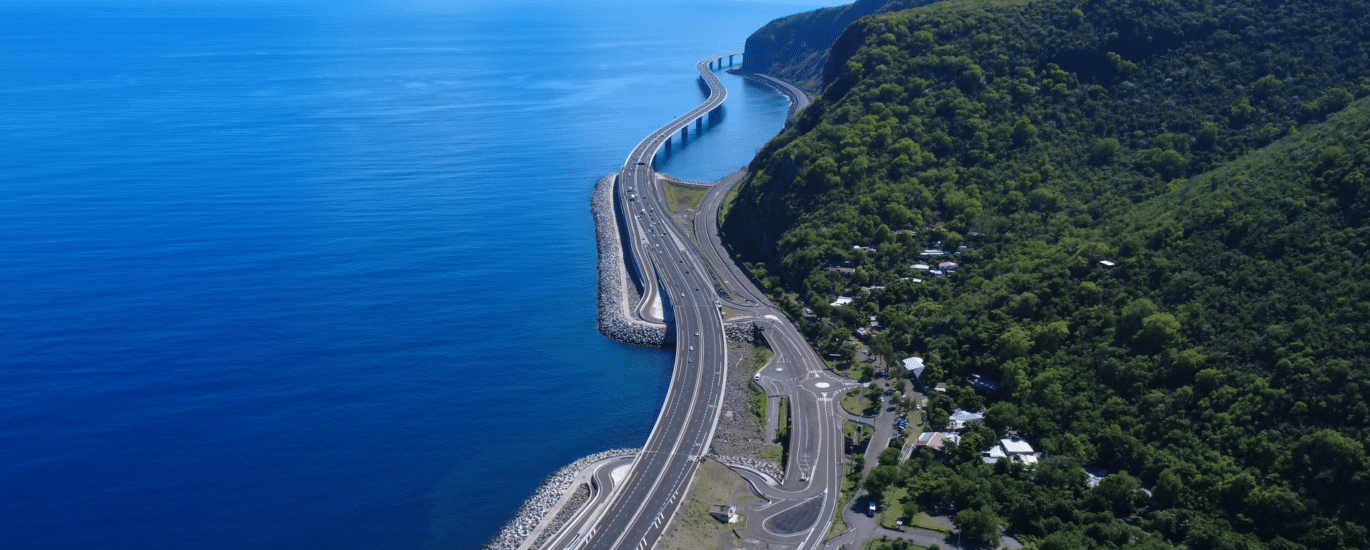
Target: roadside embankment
<point>752,464</point>
<point>615,318</point>
<point>746,333</point>
<point>544,500</point>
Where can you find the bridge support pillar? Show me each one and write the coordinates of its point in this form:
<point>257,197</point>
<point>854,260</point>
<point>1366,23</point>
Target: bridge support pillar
<point>730,61</point>
<point>684,133</point>
<point>699,124</point>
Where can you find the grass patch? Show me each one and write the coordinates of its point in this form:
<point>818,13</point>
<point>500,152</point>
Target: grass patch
<point>888,544</point>
<point>858,443</point>
<point>762,355</point>
<point>728,201</point>
<point>839,525</point>
<point>750,364</point>
<point>683,198</point>
<point>924,521</point>
<point>851,402</point>
<point>772,454</point>
<point>894,507</point>
<point>758,403</point>
<point>782,432</point>
<point>694,528</point>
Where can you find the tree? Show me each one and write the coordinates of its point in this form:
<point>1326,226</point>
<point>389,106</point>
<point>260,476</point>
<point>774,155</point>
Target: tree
<point>874,394</point>
<point>880,480</point>
<point>1014,342</point>
<point>979,526</point>
<point>1158,331</point>
<point>889,457</point>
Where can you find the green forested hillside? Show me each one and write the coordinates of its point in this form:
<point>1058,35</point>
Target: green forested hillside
<point>1213,151</point>
<point>795,48</point>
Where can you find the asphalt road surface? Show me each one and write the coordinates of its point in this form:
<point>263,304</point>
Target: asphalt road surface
<point>683,271</point>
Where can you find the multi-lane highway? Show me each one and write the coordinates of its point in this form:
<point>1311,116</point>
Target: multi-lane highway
<point>681,271</point>
<point>638,509</point>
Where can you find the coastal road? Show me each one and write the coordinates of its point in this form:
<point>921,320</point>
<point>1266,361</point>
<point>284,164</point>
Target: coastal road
<point>800,510</point>
<point>683,271</point>
<point>639,509</point>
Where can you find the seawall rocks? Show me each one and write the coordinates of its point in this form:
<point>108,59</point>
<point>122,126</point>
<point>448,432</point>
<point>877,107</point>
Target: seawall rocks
<point>544,499</point>
<point>615,321</point>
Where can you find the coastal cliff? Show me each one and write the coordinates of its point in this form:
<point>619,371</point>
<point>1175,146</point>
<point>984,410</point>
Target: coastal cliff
<point>795,48</point>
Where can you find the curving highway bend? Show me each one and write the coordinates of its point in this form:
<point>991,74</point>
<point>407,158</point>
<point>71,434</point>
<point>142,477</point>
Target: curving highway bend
<point>680,270</point>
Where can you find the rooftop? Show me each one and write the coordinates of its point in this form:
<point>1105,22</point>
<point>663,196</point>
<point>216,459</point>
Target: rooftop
<point>1016,446</point>
<point>914,365</point>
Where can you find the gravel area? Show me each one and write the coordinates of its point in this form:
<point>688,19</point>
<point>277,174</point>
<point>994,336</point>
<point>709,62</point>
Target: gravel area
<point>740,436</point>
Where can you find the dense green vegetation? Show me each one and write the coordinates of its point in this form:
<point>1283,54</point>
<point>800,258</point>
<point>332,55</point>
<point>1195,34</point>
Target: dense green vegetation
<point>795,48</point>
<point>1222,363</point>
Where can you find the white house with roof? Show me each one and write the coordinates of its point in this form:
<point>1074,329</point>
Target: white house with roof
<point>1017,450</point>
<point>841,301</point>
<point>961,417</point>
<point>914,366</point>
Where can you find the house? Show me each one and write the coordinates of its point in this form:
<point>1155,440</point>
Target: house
<point>935,440</point>
<point>935,272</point>
<point>961,417</point>
<point>940,387</point>
<point>841,301</point>
<point>724,513</point>
<point>1016,447</point>
<point>1016,450</point>
<point>982,383</point>
<point>920,267</point>
<point>993,455</point>
<point>1106,263</point>
<point>934,252</point>
<point>914,365</point>
<point>947,266</point>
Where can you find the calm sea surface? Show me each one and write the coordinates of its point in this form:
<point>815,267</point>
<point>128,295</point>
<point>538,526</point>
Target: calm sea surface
<point>283,276</point>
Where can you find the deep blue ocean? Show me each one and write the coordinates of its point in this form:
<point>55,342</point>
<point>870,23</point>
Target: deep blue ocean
<point>322,275</point>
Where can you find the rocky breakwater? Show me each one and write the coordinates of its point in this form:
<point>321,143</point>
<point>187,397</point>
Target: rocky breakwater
<point>615,318</point>
<point>545,499</point>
